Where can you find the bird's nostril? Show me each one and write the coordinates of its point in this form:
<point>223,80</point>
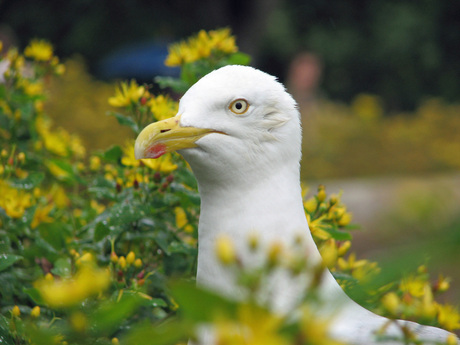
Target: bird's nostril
<point>164,130</point>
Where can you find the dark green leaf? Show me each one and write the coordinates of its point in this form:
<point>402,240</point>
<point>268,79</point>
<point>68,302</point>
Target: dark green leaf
<point>167,333</point>
<point>53,234</point>
<point>125,121</point>
<point>7,260</point>
<point>113,154</point>
<point>338,234</point>
<point>176,85</point>
<point>100,232</point>
<point>239,59</point>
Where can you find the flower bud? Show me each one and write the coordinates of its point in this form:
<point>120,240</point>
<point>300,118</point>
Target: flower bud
<point>274,253</point>
<point>113,257</point>
<point>122,262</point>
<point>130,258</point>
<point>321,196</point>
<point>115,341</point>
<point>35,312</point>
<point>225,250</point>
<point>15,311</point>
<point>138,263</point>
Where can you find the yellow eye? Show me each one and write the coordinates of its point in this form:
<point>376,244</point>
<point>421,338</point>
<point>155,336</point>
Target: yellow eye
<point>239,106</point>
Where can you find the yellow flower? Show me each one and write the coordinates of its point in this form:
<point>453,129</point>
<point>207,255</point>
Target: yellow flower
<point>163,107</point>
<point>225,250</point>
<point>448,317</point>
<point>413,285</point>
<point>94,163</point>
<point>39,50</point>
<point>87,282</point>
<point>97,207</point>
<point>130,258</point>
<point>16,311</point>
<point>315,328</point>
<point>360,269</point>
<point>122,262</point>
<point>316,227</point>
<point>41,215</point>
<point>14,201</point>
<point>200,46</point>
<point>78,321</point>
<point>391,302</point>
<point>310,205</point>
<point>274,253</point>
<point>126,95</point>
<point>58,196</point>
<point>138,263</point>
<point>253,326</point>
<point>163,164</point>
<point>181,220</point>
<point>345,219</point>
<point>57,171</point>
<point>367,107</point>
<point>35,312</point>
<point>329,253</point>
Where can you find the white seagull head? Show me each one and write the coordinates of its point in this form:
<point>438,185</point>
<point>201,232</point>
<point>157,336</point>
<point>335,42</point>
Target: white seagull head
<point>235,119</point>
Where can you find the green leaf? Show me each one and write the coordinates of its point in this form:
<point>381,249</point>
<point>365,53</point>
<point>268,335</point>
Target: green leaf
<point>200,305</point>
<point>110,315</point>
<point>53,234</point>
<point>239,58</point>
<point>30,182</point>
<point>62,267</point>
<point>7,260</point>
<point>125,121</point>
<point>338,234</point>
<point>113,154</point>
<point>100,231</point>
<point>173,331</point>
<point>175,84</point>
<point>34,294</point>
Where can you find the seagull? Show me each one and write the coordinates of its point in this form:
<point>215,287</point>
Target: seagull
<point>240,132</point>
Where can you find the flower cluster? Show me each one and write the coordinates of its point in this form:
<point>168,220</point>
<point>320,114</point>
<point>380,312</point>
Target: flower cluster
<point>201,46</point>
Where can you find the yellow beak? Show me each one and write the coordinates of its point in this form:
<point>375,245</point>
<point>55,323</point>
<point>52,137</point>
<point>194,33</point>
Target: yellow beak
<point>166,136</point>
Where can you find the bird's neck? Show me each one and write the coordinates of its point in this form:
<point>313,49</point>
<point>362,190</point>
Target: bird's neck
<point>270,206</point>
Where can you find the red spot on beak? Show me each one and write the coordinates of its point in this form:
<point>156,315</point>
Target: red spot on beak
<point>155,151</point>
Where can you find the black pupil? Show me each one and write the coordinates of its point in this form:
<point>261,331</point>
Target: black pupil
<point>238,105</point>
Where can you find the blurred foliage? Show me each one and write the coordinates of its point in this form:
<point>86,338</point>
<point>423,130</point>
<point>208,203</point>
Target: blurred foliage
<point>92,243</point>
<point>399,50</point>
<point>425,141</point>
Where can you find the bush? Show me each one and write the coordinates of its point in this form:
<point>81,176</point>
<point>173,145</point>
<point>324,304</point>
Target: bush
<point>101,248</point>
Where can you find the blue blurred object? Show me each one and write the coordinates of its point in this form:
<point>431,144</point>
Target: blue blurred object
<point>142,61</point>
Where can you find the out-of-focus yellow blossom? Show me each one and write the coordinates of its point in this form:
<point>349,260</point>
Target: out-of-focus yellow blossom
<point>359,269</point>
<point>321,196</point>
<point>448,317</point>
<point>16,311</point>
<point>85,259</point>
<point>316,227</point>
<point>31,88</point>
<point>35,312</point>
<point>316,329</point>
<point>49,277</point>
<point>343,248</point>
<point>57,171</point>
<point>253,326</point>
<point>126,95</point>
<point>225,250</point>
<point>442,284</point>
<point>200,46</point>
<point>181,220</point>
<point>94,163</point>
<point>99,208</point>
<point>14,201</point>
<point>275,251</point>
<point>130,258</point>
<point>39,50</point>
<point>413,285</point>
<point>391,302</point>
<point>41,215</point>
<point>89,280</point>
<point>115,341</point>
<point>329,253</point>
<point>451,339</point>
<point>138,263</point>
<point>122,262</point>
<point>78,321</point>
<point>58,196</point>
<point>163,107</point>
<point>367,107</point>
